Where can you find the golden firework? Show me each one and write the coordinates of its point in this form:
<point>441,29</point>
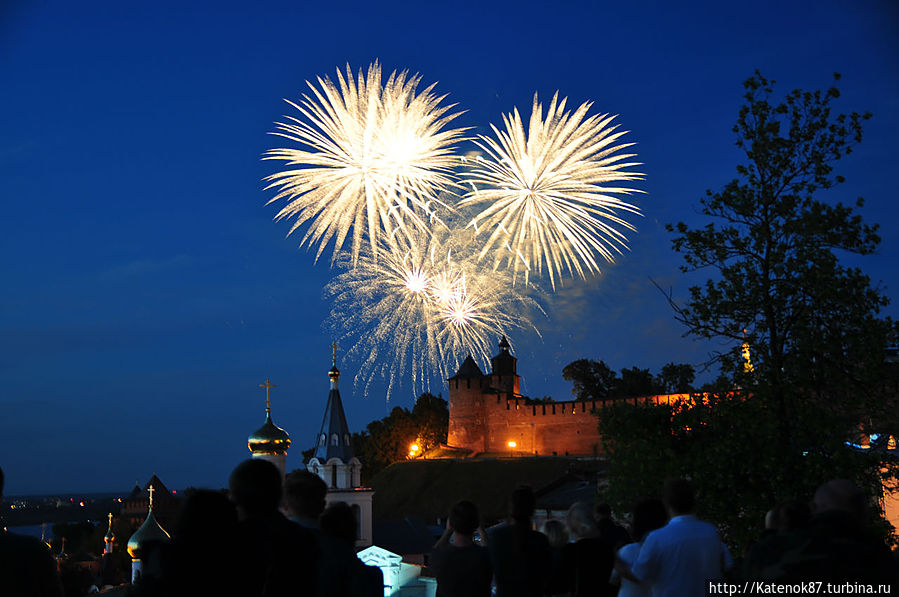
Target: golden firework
<point>373,159</point>
<point>547,195</point>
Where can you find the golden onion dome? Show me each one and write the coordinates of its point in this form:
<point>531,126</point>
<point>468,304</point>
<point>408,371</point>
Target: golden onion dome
<point>110,535</point>
<point>149,531</point>
<point>268,439</point>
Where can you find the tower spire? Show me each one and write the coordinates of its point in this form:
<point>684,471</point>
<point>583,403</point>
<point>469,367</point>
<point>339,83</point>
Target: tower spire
<point>334,372</point>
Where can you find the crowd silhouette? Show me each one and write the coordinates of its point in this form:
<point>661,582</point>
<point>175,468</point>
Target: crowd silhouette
<point>242,543</point>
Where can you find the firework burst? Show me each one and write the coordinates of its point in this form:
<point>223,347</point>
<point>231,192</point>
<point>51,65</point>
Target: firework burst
<point>546,196</point>
<point>421,306</point>
<point>373,160</point>
<point>429,273</point>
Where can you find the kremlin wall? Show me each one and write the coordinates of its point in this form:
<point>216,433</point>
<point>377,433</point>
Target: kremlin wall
<point>488,414</point>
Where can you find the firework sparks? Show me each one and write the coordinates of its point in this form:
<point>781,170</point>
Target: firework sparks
<point>545,195</point>
<point>429,275</point>
<point>421,306</point>
<point>373,160</point>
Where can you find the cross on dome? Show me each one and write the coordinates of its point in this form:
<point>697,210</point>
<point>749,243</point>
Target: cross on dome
<point>268,385</point>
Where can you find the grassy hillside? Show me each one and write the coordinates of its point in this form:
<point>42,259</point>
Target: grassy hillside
<point>427,488</point>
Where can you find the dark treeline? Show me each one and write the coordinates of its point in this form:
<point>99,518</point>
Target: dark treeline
<point>594,380</point>
<point>388,440</point>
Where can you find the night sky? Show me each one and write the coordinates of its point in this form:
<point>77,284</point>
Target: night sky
<point>146,290</point>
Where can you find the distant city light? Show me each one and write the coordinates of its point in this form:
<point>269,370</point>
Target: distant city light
<point>512,444</point>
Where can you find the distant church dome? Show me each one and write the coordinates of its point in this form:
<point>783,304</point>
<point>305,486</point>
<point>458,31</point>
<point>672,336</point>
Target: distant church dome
<point>110,535</point>
<point>149,531</point>
<point>268,439</point>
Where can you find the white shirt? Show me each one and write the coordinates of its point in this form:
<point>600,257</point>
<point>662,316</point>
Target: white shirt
<point>679,559</point>
<point>628,555</point>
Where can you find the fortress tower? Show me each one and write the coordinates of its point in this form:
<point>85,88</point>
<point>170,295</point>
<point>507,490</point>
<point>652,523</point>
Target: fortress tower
<point>488,414</point>
<point>472,395</point>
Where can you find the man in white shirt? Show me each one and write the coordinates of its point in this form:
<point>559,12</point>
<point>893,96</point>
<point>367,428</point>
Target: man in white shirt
<point>679,559</point>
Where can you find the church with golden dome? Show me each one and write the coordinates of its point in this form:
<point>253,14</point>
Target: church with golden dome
<point>332,460</point>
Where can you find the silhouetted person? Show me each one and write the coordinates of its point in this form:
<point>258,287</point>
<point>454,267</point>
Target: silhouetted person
<point>278,557</point>
<point>680,558</point>
<point>588,560</point>
<point>26,567</point>
<point>836,545</point>
<point>304,494</point>
<point>462,568</point>
<point>202,557</point>
<point>610,531</point>
<point>648,516</point>
<point>557,534</point>
<point>339,522</point>
<point>520,555</point>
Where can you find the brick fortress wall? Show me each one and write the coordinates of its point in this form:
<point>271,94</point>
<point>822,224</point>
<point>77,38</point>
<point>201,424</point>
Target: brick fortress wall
<point>486,412</point>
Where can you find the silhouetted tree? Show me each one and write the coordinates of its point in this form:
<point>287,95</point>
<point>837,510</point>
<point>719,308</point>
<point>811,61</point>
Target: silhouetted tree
<point>387,440</point>
<point>635,382</point>
<point>676,378</point>
<point>593,380</point>
<point>431,416</point>
<point>817,341</point>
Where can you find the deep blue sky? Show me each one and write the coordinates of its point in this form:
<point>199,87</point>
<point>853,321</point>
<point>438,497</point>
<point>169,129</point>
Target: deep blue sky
<point>146,291</point>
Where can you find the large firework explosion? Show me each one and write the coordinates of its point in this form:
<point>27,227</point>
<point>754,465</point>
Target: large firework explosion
<point>375,160</point>
<point>545,193</point>
<point>433,273</point>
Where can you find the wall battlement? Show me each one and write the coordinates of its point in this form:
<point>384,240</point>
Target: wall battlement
<point>487,412</point>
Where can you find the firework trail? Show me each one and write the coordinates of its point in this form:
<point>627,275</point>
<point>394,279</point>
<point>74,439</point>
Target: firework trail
<point>421,306</point>
<point>373,160</point>
<point>545,195</point>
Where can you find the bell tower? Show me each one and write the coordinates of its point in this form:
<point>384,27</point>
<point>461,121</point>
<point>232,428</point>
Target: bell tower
<point>334,461</point>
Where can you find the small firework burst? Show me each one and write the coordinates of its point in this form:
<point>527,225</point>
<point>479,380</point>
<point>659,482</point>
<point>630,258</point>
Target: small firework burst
<point>421,307</point>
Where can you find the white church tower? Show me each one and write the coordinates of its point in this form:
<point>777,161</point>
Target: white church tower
<point>334,461</point>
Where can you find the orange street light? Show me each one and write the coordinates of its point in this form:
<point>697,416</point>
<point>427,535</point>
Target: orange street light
<point>413,450</point>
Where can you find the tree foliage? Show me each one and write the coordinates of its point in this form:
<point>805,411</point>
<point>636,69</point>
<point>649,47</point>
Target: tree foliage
<point>676,378</point>
<point>387,440</point>
<point>594,380</point>
<point>772,247</point>
<point>773,250</point>
<point>725,444</point>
